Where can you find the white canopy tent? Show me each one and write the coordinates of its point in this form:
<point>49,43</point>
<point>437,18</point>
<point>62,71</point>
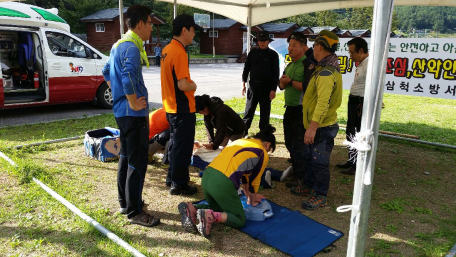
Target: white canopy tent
<point>254,12</point>
<point>261,11</point>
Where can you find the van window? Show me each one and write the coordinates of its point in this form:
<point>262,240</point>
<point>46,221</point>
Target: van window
<point>65,46</point>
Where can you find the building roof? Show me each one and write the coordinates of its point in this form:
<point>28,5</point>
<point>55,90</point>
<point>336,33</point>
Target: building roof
<point>278,27</point>
<point>301,29</point>
<point>359,32</point>
<point>106,14</point>
<point>341,32</point>
<point>318,29</point>
<point>222,23</point>
<point>112,13</point>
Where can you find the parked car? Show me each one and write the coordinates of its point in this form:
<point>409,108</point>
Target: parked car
<point>43,63</point>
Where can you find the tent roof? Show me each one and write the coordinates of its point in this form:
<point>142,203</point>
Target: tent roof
<point>238,10</point>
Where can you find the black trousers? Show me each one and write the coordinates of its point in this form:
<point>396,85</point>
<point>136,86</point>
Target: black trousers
<point>134,137</point>
<point>257,94</point>
<point>293,130</point>
<point>157,60</point>
<point>180,147</point>
<point>354,114</point>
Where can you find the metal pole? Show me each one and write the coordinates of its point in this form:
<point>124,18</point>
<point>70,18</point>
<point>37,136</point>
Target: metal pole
<point>175,9</point>
<point>375,80</point>
<point>121,19</point>
<point>82,215</point>
<point>249,29</point>
<point>213,36</point>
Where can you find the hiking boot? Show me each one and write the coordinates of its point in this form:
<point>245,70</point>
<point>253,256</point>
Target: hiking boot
<point>205,219</point>
<point>188,216</point>
<point>295,182</point>
<point>302,190</point>
<point>145,220</point>
<point>345,165</point>
<point>349,171</point>
<point>314,202</point>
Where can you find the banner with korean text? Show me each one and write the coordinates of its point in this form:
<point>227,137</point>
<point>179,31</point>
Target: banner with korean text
<point>415,66</point>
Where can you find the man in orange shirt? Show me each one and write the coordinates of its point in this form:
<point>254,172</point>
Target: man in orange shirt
<point>178,95</point>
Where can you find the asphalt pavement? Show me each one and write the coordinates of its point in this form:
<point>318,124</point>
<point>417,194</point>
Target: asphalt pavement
<point>222,80</point>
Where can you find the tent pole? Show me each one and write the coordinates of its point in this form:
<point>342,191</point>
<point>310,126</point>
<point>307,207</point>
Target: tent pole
<point>373,96</point>
<point>175,9</point>
<point>213,36</point>
<point>121,19</point>
<point>249,28</point>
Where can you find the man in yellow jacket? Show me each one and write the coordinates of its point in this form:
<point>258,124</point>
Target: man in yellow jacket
<point>321,101</point>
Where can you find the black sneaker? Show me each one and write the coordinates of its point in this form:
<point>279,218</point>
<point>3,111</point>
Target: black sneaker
<point>349,171</point>
<point>183,190</point>
<point>346,165</point>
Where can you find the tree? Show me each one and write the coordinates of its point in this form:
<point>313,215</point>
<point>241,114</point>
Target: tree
<point>73,10</point>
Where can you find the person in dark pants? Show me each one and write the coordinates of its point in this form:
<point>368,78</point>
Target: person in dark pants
<point>157,51</point>
<point>263,66</point>
<point>294,81</point>
<point>178,95</point>
<point>322,99</point>
<point>123,73</point>
<point>357,47</point>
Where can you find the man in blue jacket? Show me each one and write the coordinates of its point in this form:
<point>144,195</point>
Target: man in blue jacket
<point>123,73</point>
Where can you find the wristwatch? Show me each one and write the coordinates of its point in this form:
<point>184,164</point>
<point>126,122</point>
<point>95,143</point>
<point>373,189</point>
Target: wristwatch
<point>291,82</point>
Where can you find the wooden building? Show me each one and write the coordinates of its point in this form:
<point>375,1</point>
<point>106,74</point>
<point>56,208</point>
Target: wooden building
<point>226,35</point>
<point>103,29</point>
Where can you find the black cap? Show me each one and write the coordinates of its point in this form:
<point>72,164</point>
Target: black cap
<point>263,36</point>
<point>199,106</point>
<point>185,20</point>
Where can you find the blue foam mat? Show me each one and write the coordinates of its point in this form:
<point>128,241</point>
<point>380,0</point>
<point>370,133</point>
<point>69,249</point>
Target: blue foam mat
<point>291,232</point>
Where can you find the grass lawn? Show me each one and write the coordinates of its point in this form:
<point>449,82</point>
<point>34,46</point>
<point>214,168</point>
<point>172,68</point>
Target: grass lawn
<point>411,213</point>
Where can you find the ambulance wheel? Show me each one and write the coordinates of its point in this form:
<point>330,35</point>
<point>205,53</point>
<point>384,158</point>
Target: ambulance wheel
<point>104,96</point>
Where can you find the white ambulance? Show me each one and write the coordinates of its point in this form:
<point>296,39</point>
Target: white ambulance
<point>43,63</point>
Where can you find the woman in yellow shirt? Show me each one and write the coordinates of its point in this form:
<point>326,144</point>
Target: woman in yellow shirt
<point>240,164</point>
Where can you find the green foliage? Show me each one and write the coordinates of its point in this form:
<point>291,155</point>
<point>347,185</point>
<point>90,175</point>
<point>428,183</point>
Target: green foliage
<point>423,210</point>
<point>391,228</point>
<point>396,204</point>
<point>350,18</point>
<point>426,17</point>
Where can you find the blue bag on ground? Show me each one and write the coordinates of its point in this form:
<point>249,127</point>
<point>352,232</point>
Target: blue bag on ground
<point>102,144</point>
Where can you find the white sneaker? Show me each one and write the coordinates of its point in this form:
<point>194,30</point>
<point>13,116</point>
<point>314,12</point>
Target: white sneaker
<point>267,178</point>
<point>286,173</point>
<point>123,210</point>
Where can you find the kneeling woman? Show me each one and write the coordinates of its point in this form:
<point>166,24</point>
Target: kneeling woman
<point>227,123</point>
<point>241,164</point>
